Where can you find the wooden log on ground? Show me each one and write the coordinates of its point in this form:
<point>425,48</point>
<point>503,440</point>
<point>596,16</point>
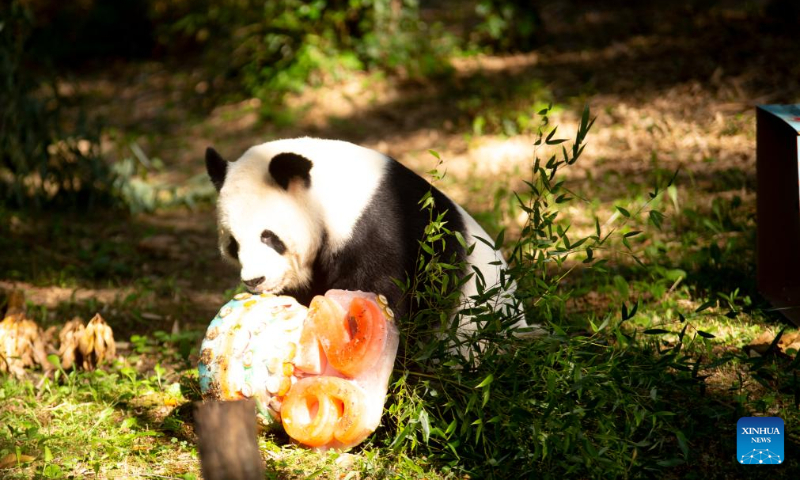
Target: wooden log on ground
<point>227,440</point>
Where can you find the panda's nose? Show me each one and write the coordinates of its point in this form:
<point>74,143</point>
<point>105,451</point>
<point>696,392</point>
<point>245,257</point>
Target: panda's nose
<point>253,282</point>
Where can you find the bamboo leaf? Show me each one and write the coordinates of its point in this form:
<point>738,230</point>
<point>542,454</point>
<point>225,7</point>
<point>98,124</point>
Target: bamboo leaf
<point>655,331</point>
<point>486,381</point>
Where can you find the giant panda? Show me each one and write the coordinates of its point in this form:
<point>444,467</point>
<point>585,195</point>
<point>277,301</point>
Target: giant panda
<point>305,215</point>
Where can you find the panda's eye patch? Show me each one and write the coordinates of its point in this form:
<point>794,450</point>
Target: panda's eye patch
<point>271,240</point>
<point>233,248</point>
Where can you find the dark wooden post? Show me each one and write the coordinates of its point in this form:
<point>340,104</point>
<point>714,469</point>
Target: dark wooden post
<point>778,203</point>
<point>227,441</point>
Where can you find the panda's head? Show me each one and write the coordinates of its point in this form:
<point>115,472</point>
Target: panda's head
<point>268,225</point>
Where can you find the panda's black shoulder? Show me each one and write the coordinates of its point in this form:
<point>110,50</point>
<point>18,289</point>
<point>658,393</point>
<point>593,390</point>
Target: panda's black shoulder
<point>384,244</point>
<point>399,197</point>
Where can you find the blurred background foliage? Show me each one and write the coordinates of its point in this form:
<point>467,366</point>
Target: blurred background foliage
<point>248,49</point>
<point>263,48</point>
<point>42,160</point>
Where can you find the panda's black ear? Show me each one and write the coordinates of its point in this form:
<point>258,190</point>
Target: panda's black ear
<point>286,167</point>
<point>217,167</point>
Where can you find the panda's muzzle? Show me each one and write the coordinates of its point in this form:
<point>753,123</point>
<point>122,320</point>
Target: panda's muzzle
<point>253,282</point>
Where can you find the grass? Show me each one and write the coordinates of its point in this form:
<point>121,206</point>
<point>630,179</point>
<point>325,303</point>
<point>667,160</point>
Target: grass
<point>121,424</point>
<point>101,424</point>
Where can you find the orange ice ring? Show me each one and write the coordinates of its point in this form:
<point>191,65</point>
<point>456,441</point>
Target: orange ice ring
<point>318,410</point>
<point>352,341</point>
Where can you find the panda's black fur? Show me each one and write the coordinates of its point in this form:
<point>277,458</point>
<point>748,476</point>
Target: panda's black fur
<point>385,244</point>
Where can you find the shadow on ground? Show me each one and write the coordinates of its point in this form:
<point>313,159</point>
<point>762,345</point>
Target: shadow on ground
<point>141,272</point>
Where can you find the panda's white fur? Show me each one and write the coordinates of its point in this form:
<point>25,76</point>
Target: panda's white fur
<point>321,215</point>
<point>344,178</point>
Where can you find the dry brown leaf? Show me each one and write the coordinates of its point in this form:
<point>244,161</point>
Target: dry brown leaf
<point>16,303</point>
<point>69,338</point>
<point>49,338</point>
<point>761,343</point>
<point>790,340</point>
<point>11,459</point>
<point>97,344</point>
<point>21,339</point>
<point>8,460</point>
<point>86,346</point>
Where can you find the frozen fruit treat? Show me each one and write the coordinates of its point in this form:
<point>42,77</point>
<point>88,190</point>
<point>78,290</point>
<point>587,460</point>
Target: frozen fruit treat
<point>321,373</point>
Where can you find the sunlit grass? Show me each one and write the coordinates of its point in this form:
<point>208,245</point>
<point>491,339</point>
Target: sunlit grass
<point>86,424</point>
